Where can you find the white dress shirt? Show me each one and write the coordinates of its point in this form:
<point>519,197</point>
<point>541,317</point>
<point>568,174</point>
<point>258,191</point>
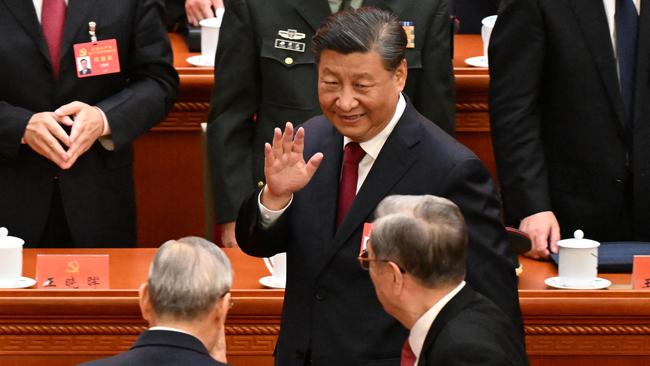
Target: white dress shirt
<point>38,6</point>
<point>372,147</point>
<point>421,327</point>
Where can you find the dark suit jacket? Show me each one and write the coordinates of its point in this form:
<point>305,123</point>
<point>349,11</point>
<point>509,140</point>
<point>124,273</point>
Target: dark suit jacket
<point>471,330</point>
<point>162,348</point>
<point>252,77</point>
<point>174,12</point>
<point>557,117</point>
<point>97,191</point>
<point>471,12</point>
<point>330,305</point>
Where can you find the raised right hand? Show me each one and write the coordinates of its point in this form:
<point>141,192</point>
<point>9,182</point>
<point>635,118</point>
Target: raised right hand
<point>44,135</point>
<point>284,167</point>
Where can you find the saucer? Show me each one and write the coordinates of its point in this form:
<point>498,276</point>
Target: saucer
<point>595,284</point>
<point>22,282</point>
<point>478,61</point>
<point>271,282</point>
<point>199,60</point>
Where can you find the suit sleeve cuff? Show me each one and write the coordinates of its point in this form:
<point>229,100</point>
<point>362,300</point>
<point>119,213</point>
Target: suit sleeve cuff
<point>269,217</point>
<point>105,139</point>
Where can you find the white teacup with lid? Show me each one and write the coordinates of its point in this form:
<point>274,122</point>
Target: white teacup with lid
<point>11,259</point>
<point>578,260</point>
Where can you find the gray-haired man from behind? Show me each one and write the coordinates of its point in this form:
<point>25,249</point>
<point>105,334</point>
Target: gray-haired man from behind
<point>185,301</point>
<point>416,257</point>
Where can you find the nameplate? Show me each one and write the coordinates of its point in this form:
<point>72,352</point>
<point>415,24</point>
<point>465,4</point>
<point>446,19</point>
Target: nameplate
<point>72,272</point>
<point>641,272</point>
<point>367,228</point>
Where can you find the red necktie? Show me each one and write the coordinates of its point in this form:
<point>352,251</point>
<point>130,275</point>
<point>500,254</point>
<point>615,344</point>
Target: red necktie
<point>408,357</point>
<point>52,21</point>
<point>352,155</point>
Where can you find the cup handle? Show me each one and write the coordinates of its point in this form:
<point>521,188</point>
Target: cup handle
<point>268,262</point>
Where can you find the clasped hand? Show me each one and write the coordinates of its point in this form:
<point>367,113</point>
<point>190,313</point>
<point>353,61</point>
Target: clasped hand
<point>45,135</point>
<point>285,168</point>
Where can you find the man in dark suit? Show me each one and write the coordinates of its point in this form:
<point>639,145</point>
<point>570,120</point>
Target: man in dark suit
<point>65,142</point>
<point>317,197</point>
<point>185,301</point>
<point>265,75</point>
<point>416,258</point>
<point>85,70</point>
<point>569,107</point>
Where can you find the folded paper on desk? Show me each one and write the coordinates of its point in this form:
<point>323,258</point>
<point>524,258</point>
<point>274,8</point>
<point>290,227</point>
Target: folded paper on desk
<point>617,256</point>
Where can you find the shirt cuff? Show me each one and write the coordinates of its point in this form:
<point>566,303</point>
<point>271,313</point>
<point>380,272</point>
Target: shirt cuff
<point>269,217</point>
<point>105,140</point>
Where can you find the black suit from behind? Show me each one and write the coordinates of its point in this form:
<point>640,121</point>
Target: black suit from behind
<point>470,330</point>
<point>162,348</point>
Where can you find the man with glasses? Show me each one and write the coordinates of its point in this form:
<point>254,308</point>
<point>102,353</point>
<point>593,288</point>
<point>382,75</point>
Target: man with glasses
<point>325,182</point>
<point>416,257</point>
<point>185,301</point>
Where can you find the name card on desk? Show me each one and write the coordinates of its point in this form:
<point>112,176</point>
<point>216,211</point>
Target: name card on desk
<point>72,272</point>
<point>641,272</point>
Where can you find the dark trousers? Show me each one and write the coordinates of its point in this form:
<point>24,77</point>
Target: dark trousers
<point>56,233</point>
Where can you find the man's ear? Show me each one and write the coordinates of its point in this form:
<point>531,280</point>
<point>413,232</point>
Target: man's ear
<point>397,278</point>
<point>145,303</point>
<point>219,309</point>
<point>400,74</point>
<point>225,305</point>
<point>217,317</point>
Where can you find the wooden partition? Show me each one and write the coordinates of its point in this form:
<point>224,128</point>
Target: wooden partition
<point>168,159</point>
<point>64,327</point>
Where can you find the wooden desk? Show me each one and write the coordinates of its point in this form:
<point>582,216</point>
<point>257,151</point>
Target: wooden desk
<point>168,160</point>
<point>580,328</point>
<point>37,327</point>
<point>64,327</point>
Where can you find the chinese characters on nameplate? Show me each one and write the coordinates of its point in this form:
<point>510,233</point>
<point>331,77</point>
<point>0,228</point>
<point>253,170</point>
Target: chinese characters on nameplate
<point>72,272</point>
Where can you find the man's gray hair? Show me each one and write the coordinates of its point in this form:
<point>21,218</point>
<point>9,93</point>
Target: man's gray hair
<point>425,235</point>
<point>363,30</point>
<point>187,276</point>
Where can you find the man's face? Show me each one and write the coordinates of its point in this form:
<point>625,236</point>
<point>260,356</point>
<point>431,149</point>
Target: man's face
<point>357,94</point>
<point>378,276</point>
<point>84,64</point>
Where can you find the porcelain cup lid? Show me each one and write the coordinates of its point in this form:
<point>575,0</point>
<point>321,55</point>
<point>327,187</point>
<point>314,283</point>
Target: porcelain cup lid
<point>489,21</point>
<point>578,242</point>
<point>7,241</point>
